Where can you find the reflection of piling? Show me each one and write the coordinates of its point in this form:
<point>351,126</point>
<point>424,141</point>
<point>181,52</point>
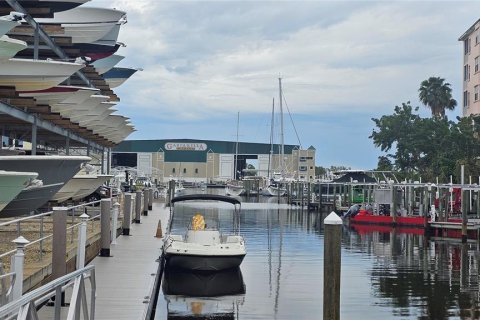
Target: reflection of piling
<point>464,207</point>
<point>331,267</point>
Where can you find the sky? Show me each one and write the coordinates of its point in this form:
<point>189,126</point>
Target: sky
<point>342,63</point>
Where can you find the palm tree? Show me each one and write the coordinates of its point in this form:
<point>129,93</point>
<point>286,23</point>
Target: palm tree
<point>436,94</point>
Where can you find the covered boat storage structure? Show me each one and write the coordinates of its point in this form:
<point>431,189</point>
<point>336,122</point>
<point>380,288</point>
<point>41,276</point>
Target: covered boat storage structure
<point>207,160</point>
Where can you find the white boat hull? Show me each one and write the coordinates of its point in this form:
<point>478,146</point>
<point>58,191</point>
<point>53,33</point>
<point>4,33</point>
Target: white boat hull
<point>6,24</point>
<point>10,47</point>
<point>275,191</point>
<point>26,74</point>
<point>11,184</point>
<point>232,190</point>
<point>105,64</point>
<point>87,32</point>
<point>80,186</point>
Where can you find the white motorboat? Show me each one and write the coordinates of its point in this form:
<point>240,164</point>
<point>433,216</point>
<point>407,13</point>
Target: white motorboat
<point>86,24</point>
<point>179,188</point>
<point>64,95</point>
<point>10,47</point>
<point>9,22</point>
<point>80,186</point>
<point>53,172</point>
<point>12,183</point>
<point>116,76</point>
<point>26,74</point>
<point>234,188</point>
<point>105,64</point>
<point>203,247</point>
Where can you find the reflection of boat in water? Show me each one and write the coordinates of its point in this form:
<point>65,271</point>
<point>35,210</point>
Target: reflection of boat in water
<point>203,284</point>
<point>204,247</point>
<point>193,295</point>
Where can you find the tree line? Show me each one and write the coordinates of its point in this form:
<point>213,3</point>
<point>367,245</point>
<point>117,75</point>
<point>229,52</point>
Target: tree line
<point>428,148</point>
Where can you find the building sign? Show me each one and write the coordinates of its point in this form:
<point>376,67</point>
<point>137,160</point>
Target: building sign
<point>185,146</point>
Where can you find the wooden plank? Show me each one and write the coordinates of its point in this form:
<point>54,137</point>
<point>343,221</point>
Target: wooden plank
<point>19,102</point>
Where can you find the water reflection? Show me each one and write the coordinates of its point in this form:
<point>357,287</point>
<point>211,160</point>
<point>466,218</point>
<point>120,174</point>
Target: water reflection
<point>193,295</point>
<point>421,278</point>
<point>386,273</point>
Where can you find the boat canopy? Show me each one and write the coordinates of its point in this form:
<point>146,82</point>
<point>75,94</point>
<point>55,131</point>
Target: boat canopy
<point>215,197</point>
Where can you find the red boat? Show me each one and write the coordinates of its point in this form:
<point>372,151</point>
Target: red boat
<point>364,217</point>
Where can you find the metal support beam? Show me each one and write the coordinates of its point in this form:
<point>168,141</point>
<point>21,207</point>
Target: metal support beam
<point>27,117</point>
<point>35,43</point>
<point>34,135</point>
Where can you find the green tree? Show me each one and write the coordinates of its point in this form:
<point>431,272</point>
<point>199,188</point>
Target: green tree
<point>436,94</point>
<point>384,164</point>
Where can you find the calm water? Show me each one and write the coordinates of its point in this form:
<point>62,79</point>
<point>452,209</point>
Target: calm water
<point>385,275</point>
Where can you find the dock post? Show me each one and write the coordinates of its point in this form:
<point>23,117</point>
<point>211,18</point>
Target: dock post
<point>116,209</point>
<point>18,262</point>
<point>331,267</point>
<point>334,206</point>
<point>127,208</point>
<point>82,241</point>
<point>138,206</point>
<point>59,241</point>
<point>319,197</point>
<point>105,239</point>
<point>393,214</point>
<point>145,202</point>
<point>150,199</point>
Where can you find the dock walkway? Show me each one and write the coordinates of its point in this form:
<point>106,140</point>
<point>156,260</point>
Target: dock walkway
<point>123,280</point>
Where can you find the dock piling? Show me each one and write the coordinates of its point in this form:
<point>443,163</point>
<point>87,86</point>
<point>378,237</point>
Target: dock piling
<point>145,202</point>
<point>331,267</point>
<point>150,199</point>
<point>82,240</point>
<point>18,261</point>
<point>59,242</point>
<point>138,205</point>
<point>105,237</point>
<point>127,208</point>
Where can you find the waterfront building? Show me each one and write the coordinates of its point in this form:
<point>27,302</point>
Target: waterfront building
<point>471,70</point>
<point>206,160</point>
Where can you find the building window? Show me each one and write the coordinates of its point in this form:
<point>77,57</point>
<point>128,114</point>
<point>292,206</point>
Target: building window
<point>466,46</point>
<point>303,159</point>
<point>476,92</point>
<point>466,72</point>
<point>477,37</point>
<point>302,168</point>
<point>184,170</point>
<point>311,177</point>
<point>196,170</point>
<point>466,99</point>
<point>311,168</point>
<point>302,177</point>
<point>173,170</point>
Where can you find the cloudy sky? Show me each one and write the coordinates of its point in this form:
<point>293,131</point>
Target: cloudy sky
<point>341,63</point>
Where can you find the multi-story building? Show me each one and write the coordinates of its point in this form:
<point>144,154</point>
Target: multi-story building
<point>471,70</point>
<point>206,160</point>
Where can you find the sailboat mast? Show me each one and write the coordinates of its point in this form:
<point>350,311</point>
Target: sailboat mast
<point>236,150</point>
<point>271,137</point>
<point>282,151</point>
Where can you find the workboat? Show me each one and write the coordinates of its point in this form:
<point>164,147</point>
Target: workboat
<point>12,183</point>
<point>28,74</point>
<point>204,247</point>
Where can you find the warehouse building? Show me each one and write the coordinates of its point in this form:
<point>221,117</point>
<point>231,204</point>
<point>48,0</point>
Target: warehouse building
<point>205,160</point>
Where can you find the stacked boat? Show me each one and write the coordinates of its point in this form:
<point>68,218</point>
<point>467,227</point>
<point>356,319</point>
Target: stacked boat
<point>63,74</point>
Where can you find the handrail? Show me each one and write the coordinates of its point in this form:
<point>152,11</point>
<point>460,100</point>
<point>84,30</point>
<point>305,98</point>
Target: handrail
<point>14,306</point>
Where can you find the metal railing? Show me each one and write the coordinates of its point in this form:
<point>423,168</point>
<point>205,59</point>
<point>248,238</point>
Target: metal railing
<point>26,306</point>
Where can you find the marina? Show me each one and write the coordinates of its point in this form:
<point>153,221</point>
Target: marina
<point>95,224</point>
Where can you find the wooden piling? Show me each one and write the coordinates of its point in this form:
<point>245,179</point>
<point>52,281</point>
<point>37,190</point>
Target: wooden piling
<point>464,207</point>
<point>138,206</point>
<point>332,267</point>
